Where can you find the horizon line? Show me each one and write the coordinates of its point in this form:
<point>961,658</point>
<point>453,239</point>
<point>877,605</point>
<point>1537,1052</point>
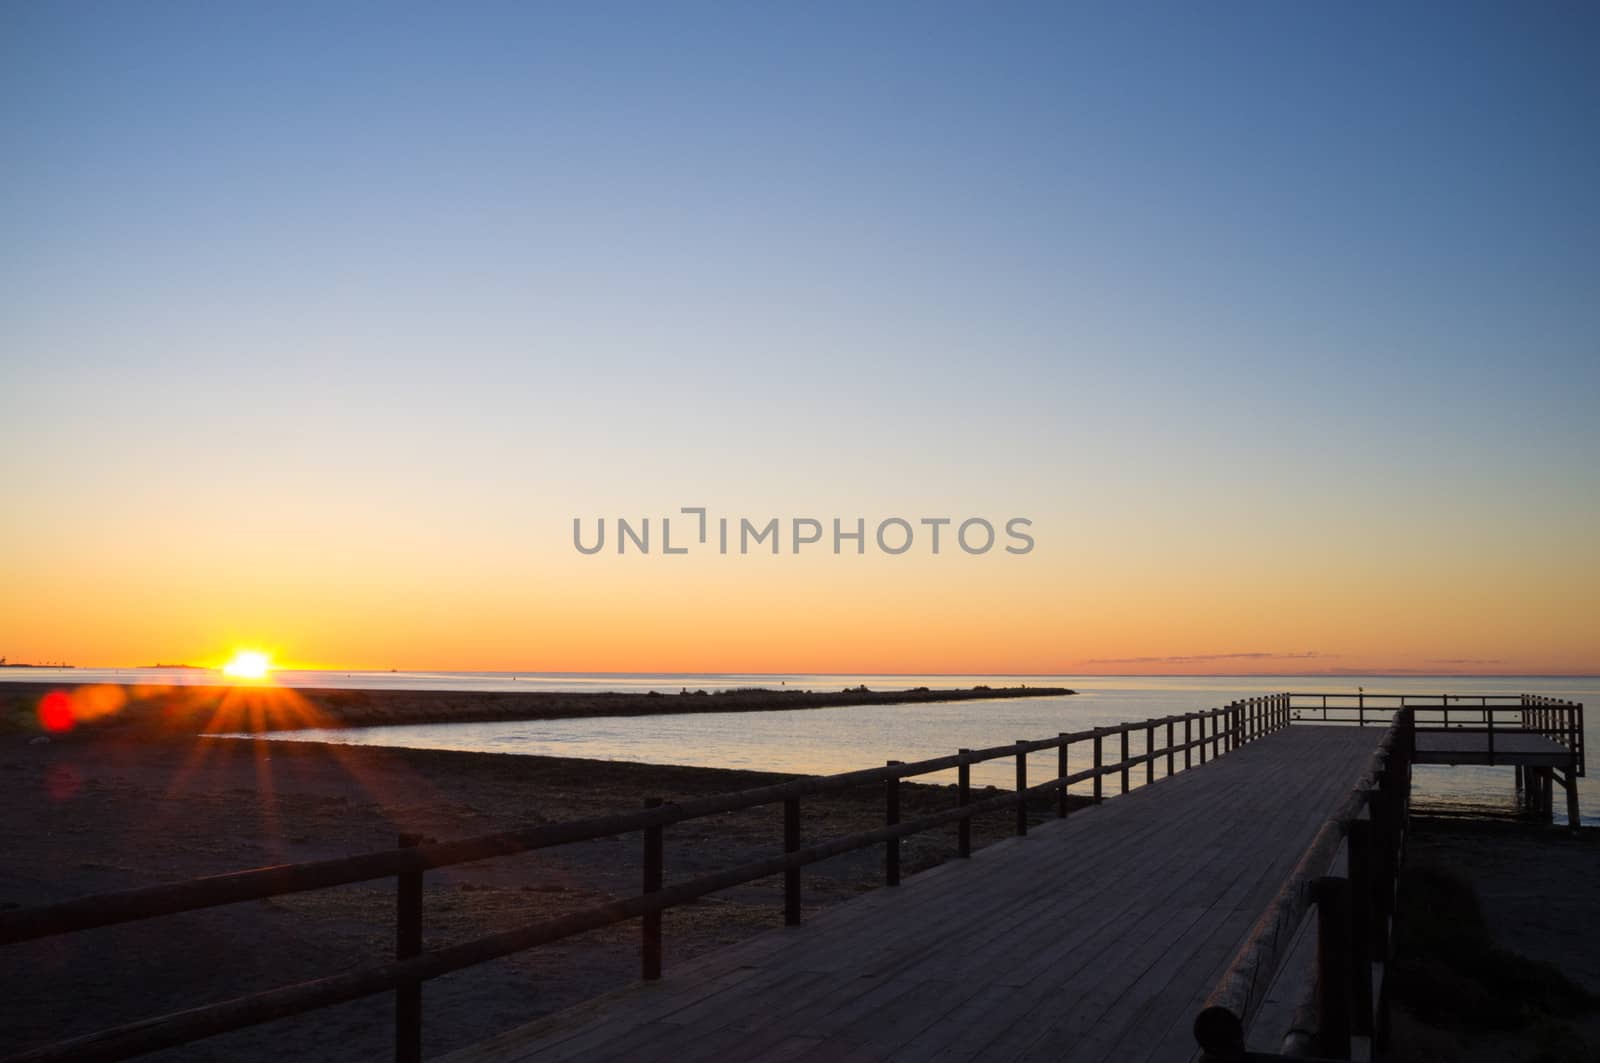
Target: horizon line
<point>1342,674</point>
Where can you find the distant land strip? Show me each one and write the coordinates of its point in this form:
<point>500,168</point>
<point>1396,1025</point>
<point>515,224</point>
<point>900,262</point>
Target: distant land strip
<point>149,710</point>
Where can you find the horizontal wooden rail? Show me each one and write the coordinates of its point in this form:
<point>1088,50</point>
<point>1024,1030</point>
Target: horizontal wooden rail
<point>1219,731</point>
<point>1417,700</point>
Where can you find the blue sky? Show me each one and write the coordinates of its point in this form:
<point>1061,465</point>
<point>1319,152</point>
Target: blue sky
<point>1128,260</point>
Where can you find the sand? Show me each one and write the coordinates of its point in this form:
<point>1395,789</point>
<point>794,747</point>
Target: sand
<point>90,814</point>
<point>1538,892</point>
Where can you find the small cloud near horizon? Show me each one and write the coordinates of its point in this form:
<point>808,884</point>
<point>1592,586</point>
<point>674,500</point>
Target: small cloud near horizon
<point>1466,660</point>
<point>1204,657</point>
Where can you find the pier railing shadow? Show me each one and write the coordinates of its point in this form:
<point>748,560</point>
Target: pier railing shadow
<point>1181,742</point>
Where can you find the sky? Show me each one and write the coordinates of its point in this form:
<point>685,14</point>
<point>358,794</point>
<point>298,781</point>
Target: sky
<point>321,323</point>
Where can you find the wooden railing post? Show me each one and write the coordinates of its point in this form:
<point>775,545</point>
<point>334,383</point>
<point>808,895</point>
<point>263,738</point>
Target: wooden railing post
<point>408,943</point>
<point>963,797</point>
<point>1382,870</point>
<point>791,877</point>
<point>1171,764</point>
<point>1022,788</point>
<point>1333,966</point>
<point>1061,773</point>
<point>654,858</point>
<point>1099,760</point>
<point>1573,815</point>
<point>1188,741</point>
<point>891,852</point>
<point>1576,716</point>
<point>1124,758</point>
<point>1149,754</point>
<point>1203,743</point>
<point>1359,863</point>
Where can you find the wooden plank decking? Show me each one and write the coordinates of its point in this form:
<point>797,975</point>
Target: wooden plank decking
<point>1472,747</point>
<point>1093,938</point>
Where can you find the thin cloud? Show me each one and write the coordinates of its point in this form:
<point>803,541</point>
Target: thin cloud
<point>1202,658</point>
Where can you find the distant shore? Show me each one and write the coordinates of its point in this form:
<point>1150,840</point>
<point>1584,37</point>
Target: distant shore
<point>188,710</point>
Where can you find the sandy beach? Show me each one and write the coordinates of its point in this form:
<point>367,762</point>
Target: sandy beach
<point>1498,943</point>
<point>86,815</point>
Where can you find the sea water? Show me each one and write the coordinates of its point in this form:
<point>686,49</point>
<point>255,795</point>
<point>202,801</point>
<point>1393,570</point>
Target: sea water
<point>823,741</point>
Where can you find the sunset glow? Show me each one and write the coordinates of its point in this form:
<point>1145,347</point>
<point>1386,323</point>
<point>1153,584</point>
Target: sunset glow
<point>248,664</point>
<point>1287,381</point>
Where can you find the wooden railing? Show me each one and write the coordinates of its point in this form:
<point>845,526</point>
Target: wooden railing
<point>1348,877</point>
<point>1204,735</point>
<point>1486,714</point>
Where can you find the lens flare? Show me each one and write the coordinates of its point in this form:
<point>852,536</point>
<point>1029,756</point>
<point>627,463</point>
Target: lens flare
<point>55,712</point>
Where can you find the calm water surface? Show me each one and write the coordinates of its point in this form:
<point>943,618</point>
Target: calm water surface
<point>823,741</point>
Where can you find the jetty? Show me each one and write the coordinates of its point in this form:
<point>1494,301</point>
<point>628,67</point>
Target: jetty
<point>1227,895</point>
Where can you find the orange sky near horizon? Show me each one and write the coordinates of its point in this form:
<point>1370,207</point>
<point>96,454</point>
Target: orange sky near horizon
<point>318,330</point>
<point>1085,601</point>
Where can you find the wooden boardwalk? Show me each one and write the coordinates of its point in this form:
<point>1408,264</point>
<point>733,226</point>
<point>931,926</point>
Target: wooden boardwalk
<point>1092,938</point>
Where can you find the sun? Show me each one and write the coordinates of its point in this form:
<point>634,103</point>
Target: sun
<point>248,664</point>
